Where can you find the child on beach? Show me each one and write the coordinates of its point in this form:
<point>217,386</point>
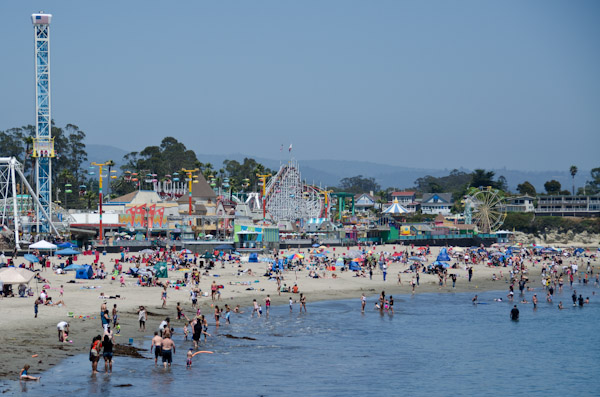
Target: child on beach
<point>23,374</point>
<point>188,362</point>
<point>185,331</point>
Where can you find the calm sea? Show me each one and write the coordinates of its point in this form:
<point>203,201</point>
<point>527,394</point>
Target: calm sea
<point>434,345</point>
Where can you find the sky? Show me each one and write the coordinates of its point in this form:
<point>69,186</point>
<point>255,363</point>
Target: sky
<point>428,84</point>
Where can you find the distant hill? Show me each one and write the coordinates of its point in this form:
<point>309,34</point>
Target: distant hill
<point>330,172</point>
<point>103,153</point>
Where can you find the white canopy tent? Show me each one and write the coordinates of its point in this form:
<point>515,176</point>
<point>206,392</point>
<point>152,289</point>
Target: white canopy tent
<point>43,245</point>
<point>395,208</point>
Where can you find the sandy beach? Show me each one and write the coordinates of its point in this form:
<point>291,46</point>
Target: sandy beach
<point>27,336</point>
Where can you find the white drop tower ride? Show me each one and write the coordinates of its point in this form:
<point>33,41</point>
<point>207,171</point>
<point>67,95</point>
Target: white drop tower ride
<point>43,144</point>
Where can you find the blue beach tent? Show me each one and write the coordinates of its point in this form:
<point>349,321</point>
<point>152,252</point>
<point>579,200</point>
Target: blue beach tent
<point>253,257</point>
<point>84,273</point>
<point>443,256</point>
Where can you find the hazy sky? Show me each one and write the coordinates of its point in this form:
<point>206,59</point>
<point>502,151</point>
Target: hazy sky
<point>415,83</point>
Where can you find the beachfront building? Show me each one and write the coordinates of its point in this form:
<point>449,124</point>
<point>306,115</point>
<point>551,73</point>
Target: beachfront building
<point>581,206</point>
<point>365,202</point>
<point>250,237</point>
<point>520,204</point>
<point>436,203</point>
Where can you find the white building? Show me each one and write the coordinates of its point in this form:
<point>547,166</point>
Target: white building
<point>520,204</point>
<point>436,203</point>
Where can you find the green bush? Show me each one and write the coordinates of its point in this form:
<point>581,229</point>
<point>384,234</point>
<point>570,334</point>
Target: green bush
<point>528,223</point>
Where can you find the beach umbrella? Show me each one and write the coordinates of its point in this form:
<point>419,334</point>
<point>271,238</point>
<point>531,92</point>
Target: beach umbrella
<point>186,251</point>
<point>67,251</point>
<point>295,256</point>
<point>13,275</point>
<point>32,258</point>
<point>396,254</point>
<point>315,245</point>
<point>147,251</point>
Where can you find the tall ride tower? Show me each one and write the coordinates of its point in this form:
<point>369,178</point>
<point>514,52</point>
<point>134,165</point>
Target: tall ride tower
<point>43,144</point>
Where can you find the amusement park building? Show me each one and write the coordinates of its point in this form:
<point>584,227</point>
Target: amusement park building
<point>364,202</point>
<point>436,203</point>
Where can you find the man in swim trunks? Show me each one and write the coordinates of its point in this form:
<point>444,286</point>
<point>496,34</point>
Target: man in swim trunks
<point>157,345</point>
<point>168,349</point>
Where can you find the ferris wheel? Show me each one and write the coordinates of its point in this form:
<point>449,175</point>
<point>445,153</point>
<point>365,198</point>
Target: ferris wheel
<point>485,208</point>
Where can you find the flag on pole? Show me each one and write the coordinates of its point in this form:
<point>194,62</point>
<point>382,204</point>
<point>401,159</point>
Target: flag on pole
<point>290,148</point>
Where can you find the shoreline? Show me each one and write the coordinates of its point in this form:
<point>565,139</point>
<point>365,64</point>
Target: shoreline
<point>30,336</point>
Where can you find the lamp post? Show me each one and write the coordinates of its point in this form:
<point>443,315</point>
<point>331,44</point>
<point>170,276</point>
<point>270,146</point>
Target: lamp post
<point>190,179</point>
<point>100,165</point>
<point>147,213</point>
<point>263,179</point>
<point>326,197</point>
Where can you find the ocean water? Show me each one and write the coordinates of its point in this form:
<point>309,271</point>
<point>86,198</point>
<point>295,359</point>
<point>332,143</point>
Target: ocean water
<point>434,344</point>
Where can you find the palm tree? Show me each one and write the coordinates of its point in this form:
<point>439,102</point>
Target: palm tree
<point>90,197</point>
<point>573,170</point>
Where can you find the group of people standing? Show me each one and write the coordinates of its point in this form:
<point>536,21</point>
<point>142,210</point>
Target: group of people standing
<point>103,345</point>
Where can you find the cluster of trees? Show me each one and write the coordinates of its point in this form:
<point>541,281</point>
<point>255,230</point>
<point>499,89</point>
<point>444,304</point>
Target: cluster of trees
<point>172,156</point>
<point>554,187</point>
<point>70,166</point>
<point>67,167</point>
<point>358,184</point>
